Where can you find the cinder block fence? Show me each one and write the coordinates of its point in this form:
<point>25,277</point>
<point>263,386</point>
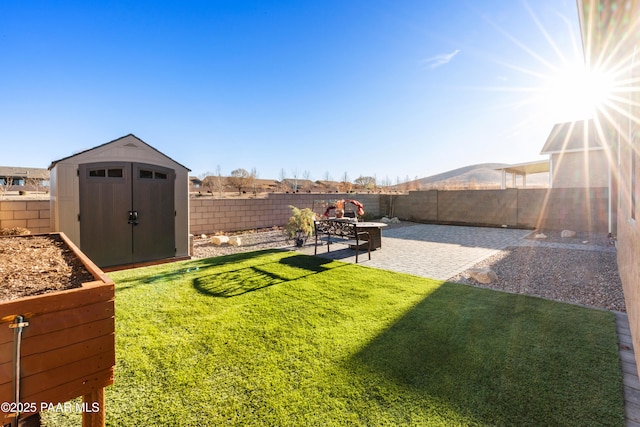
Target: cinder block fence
<point>578,209</point>
<point>31,214</point>
<point>212,215</point>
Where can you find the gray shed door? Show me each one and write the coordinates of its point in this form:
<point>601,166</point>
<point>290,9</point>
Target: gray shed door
<point>126,212</point>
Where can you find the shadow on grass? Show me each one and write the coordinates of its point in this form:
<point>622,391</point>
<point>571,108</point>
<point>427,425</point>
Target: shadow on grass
<point>501,359</point>
<point>173,271</point>
<point>249,278</point>
<point>229,275</point>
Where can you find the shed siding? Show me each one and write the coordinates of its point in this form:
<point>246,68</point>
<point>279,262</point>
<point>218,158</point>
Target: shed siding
<point>65,196</point>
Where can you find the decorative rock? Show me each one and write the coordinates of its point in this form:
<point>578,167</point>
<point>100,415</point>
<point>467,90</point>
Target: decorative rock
<point>567,233</point>
<point>540,236</point>
<point>218,240</point>
<point>203,236</point>
<point>393,220</point>
<point>235,241</point>
<point>483,275</point>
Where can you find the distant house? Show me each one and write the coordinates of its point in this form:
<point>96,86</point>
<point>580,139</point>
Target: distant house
<point>581,155</point>
<point>24,178</point>
<point>323,186</point>
<point>578,155</point>
<point>194,183</point>
<point>223,184</point>
<point>298,185</point>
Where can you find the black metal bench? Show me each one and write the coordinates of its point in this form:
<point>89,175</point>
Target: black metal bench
<point>341,232</point>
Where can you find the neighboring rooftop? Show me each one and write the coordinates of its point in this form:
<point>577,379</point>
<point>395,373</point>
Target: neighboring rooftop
<point>581,135</point>
<point>17,172</point>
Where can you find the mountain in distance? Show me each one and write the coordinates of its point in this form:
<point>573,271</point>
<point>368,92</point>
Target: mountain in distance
<point>480,176</point>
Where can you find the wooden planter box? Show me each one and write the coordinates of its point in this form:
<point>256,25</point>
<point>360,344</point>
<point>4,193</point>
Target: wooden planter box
<point>67,349</point>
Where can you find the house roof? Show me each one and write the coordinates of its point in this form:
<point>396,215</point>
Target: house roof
<point>566,137</point>
<point>20,172</point>
<point>266,182</point>
<point>111,142</point>
<point>527,168</point>
<point>328,183</point>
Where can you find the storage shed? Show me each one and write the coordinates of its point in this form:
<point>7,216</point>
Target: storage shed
<point>122,202</point>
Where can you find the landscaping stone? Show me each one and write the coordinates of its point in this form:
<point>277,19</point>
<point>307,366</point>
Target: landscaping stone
<point>540,236</point>
<point>218,240</point>
<point>235,241</point>
<point>483,275</point>
<point>567,233</point>
<point>387,220</point>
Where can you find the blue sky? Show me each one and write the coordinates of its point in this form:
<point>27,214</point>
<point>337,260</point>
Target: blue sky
<point>392,89</point>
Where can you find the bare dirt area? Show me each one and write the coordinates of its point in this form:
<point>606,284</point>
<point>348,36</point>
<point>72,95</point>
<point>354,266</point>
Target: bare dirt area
<point>34,265</point>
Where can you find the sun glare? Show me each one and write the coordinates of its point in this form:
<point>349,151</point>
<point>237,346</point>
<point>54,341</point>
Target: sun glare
<point>576,93</point>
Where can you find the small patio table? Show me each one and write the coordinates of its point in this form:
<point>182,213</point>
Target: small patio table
<point>375,232</point>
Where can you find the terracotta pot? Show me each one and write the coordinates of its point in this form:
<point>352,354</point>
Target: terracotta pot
<point>68,348</point>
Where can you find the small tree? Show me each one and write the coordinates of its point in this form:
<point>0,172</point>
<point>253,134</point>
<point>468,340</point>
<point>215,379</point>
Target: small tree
<point>219,182</point>
<point>366,182</point>
<point>282,185</point>
<point>294,174</point>
<point>301,225</point>
<point>307,183</point>
<point>345,184</point>
<point>254,181</point>
<point>215,183</point>
<point>6,185</point>
<point>240,179</point>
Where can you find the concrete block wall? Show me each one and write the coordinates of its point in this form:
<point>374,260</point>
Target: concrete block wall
<point>30,214</point>
<point>420,205</point>
<point>487,207</point>
<point>213,215</point>
<point>579,209</point>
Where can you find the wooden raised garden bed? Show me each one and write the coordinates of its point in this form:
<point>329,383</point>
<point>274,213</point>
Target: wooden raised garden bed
<point>67,343</point>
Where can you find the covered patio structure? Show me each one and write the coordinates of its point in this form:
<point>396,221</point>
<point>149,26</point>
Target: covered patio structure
<point>522,169</point>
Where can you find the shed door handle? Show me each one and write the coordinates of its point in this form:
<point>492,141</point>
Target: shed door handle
<point>133,217</point>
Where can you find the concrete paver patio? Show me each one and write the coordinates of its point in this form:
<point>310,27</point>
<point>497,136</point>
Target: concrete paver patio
<point>436,251</point>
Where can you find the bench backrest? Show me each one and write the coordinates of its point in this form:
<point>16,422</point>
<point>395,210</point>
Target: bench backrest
<point>345,229</point>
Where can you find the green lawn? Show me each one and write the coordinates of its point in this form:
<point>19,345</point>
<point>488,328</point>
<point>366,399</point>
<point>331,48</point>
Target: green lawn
<point>281,339</point>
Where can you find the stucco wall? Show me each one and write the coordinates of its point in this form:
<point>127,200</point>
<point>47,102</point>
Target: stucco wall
<point>580,169</point>
<point>629,240</point>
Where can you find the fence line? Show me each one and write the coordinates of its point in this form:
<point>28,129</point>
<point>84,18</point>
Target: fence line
<point>579,209</point>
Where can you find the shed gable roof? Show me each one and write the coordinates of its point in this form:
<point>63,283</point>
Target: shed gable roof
<point>117,140</point>
<point>573,136</point>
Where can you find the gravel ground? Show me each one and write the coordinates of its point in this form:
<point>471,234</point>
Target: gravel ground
<point>583,277</point>
<point>586,276</point>
<point>252,241</point>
